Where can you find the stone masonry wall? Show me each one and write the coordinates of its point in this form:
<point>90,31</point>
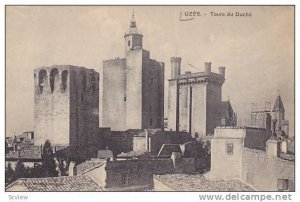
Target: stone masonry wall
<point>152,93</point>
<point>67,107</point>
<point>124,174</point>
<point>51,106</point>
<point>114,94</point>
<point>172,105</point>
<point>262,171</point>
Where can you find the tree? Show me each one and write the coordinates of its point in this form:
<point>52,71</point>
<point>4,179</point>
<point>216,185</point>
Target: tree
<point>200,151</point>
<point>20,170</point>
<point>63,165</point>
<point>48,162</point>
<point>10,174</point>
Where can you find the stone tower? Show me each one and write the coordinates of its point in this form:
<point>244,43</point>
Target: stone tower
<point>195,100</point>
<point>133,87</point>
<point>66,100</point>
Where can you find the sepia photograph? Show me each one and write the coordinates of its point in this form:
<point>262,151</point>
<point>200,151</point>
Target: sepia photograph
<point>132,98</point>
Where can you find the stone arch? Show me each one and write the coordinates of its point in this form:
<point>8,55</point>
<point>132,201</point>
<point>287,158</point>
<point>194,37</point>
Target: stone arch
<point>42,80</point>
<point>53,78</point>
<point>64,79</point>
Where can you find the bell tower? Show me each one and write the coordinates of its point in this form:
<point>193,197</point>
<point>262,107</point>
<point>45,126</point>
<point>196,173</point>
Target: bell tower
<point>133,40</point>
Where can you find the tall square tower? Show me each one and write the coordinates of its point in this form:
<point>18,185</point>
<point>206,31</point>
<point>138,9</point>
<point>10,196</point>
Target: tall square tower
<point>66,100</point>
<point>133,87</point>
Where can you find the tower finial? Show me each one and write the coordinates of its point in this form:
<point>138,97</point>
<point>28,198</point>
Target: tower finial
<point>132,23</point>
<point>278,92</point>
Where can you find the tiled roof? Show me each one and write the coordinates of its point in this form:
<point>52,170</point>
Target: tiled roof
<point>184,182</point>
<point>133,154</point>
<point>55,184</point>
<point>33,152</point>
<point>12,154</point>
<point>30,152</point>
<point>88,165</point>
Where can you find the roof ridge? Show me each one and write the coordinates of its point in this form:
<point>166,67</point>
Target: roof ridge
<point>92,168</point>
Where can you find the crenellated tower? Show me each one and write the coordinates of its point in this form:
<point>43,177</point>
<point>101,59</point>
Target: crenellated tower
<point>195,100</point>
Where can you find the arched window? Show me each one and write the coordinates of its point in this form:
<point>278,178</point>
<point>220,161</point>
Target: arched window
<point>64,80</point>
<point>53,78</point>
<point>42,79</point>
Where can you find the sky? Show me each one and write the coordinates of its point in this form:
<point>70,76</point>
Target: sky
<point>257,50</point>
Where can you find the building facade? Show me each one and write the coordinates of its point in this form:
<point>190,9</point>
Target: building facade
<point>195,100</point>
<point>254,156</point>
<point>133,87</point>
<point>66,100</point>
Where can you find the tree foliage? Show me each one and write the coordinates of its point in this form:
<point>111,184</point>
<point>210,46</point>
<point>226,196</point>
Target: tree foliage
<point>200,151</point>
<point>48,162</point>
<point>10,174</point>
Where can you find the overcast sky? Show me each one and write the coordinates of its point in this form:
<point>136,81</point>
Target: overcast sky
<point>257,51</point>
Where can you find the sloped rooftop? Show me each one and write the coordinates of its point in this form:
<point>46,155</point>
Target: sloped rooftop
<point>134,154</point>
<point>88,165</point>
<point>184,182</point>
<point>54,184</point>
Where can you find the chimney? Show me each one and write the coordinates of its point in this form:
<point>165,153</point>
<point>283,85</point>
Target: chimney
<point>222,71</point>
<point>207,67</point>
<point>284,146</point>
<point>175,67</point>
<point>273,148</point>
<point>72,169</point>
